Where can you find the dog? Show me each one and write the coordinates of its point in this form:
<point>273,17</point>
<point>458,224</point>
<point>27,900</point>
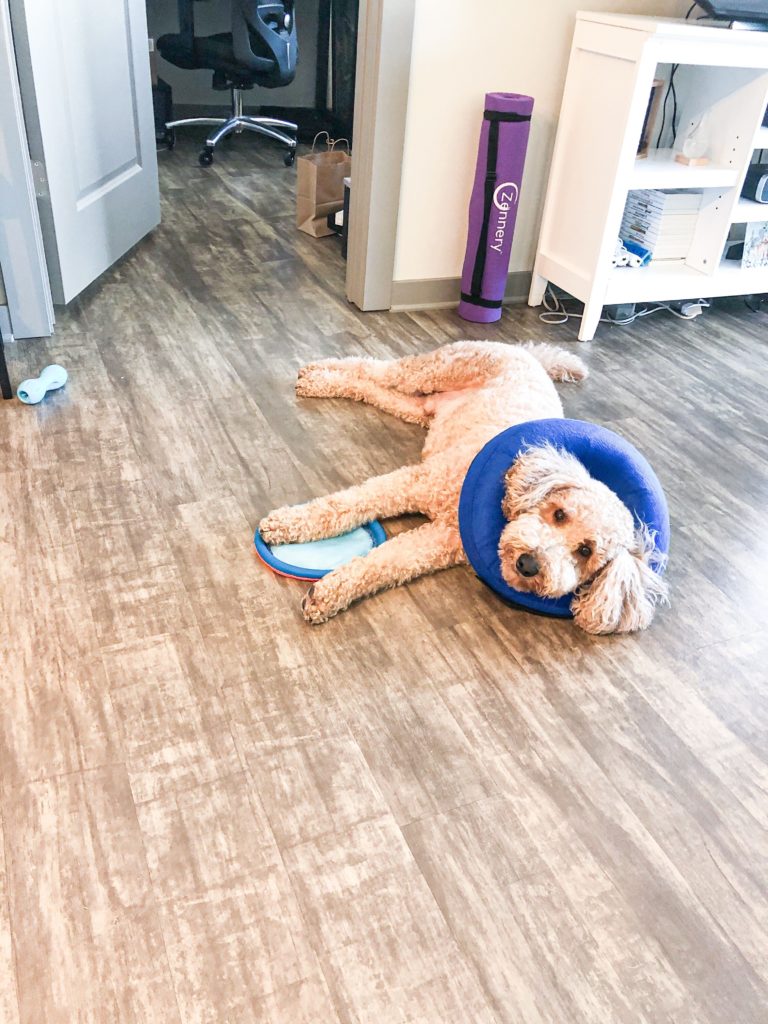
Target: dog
<point>565,532</point>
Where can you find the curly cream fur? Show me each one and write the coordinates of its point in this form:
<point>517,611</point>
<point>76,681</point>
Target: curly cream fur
<point>464,393</point>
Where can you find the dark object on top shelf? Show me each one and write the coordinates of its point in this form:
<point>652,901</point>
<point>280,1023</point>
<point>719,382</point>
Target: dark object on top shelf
<point>260,50</point>
<point>737,10</point>
<point>756,184</point>
<point>649,120</point>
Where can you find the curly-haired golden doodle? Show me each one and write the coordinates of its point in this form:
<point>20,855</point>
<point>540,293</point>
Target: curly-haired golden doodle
<point>566,531</point>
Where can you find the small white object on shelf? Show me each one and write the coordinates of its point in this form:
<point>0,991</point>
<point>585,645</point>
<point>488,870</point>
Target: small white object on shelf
<point>722,76</point>
<point>695,142</point>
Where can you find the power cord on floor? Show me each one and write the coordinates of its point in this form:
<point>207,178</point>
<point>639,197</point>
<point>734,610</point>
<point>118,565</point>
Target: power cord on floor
<point>556,313</point>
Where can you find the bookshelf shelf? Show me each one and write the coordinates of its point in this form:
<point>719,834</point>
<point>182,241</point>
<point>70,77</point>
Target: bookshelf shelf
<point>660,170</point>
<point>674,279</point>
<point>723,74</point>
<point>748,211</point>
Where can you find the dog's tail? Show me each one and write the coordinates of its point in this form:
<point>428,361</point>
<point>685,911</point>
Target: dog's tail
<point>558,362</point>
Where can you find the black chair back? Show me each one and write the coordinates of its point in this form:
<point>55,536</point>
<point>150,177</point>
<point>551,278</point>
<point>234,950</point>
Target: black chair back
<point>264,39</point>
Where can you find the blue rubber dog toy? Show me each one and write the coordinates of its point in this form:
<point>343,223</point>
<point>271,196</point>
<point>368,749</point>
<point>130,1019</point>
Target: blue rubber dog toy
<point>32,391</point>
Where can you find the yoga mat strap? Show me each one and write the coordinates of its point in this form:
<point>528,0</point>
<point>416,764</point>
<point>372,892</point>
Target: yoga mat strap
<point>485,303</point>
<point>499,115</point>
<point>490,187</point>
<point>493,205</point>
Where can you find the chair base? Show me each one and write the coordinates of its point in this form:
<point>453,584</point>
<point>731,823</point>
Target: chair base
<point>272,127</point>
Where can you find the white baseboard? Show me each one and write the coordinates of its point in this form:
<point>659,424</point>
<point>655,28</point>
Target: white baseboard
<point>443,292</point>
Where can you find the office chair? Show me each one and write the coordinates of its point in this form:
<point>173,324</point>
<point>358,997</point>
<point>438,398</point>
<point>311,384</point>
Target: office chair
<point>260,50</point>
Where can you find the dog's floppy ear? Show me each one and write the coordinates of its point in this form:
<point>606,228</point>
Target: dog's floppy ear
<point>536,473</point>
<point>623,596</point>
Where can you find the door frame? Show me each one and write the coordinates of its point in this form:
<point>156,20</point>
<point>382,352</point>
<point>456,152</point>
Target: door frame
<point>385,37</point>
<point>385,42</point>
<point>22,257</point>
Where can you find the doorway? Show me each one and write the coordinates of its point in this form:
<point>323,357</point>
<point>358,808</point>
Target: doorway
<point>380,77</point>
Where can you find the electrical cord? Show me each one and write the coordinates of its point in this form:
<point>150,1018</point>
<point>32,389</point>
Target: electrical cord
<point>673,91</point>
<point>555,312</point>
<point>670,89</point>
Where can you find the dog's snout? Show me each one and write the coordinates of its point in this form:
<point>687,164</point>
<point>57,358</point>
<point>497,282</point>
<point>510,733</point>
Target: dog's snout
<point>527,565</point>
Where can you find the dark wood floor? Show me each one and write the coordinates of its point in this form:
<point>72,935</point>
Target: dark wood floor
<point>434,808</point>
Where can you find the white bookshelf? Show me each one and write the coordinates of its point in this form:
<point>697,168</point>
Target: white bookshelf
<point>614,61</point>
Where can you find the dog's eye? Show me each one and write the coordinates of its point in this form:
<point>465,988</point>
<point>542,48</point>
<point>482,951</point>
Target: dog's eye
<point>584,550</point>
<point>560,516</point>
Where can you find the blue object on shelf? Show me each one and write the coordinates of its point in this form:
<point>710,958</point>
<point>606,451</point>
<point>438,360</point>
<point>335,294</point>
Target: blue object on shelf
<point>316,558</point>
<point>637,250</point>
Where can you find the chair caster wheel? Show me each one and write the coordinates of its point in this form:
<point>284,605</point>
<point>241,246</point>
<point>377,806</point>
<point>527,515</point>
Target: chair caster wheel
<point>290,158</point>
<point>206,157</point>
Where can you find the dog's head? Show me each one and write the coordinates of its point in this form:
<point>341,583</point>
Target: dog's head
<point>568,532</point>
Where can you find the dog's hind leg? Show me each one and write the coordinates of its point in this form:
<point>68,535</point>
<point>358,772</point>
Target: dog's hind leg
<point>392,494</point>
<point>414,553</point>
<point>460,364</point>
<point>344,381</point>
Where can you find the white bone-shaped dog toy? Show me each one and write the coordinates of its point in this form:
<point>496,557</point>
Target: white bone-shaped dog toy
<point>34,390</point>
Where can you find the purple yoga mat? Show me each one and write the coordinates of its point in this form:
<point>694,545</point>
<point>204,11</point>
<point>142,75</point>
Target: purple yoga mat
<point>493,206</point>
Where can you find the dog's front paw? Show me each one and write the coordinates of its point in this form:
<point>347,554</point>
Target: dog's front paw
<point>282,526</point>
<point>317,606</point>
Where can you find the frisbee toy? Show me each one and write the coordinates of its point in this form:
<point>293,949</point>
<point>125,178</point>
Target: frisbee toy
<point>605,455</point>
<point>316,558</point>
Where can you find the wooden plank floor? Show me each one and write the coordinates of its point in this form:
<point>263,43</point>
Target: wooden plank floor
<point>432,809</point>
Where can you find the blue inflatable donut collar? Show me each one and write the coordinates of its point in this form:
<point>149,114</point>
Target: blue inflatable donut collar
<point>605,455</point>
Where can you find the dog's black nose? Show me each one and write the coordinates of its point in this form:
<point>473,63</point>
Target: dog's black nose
<point>527,565</point>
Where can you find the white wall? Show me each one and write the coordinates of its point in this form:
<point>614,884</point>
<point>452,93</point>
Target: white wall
<point>211,16</point>
<point>459,54</point>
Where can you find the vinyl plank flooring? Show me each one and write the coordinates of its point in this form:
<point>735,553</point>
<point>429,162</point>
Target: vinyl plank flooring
<point>236,946</point>
<point>86,931</point>
<point>9,1001</point>
<point>143,603</point>
<point>433,808</point>
<point>372,917</point>
<point>170,747</point>
<point>481,855</point>
<point>58,717</point>
<point>416,750</point>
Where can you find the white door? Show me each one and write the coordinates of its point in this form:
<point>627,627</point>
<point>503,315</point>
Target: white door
<point>22,259</point>
<point>84,72</point>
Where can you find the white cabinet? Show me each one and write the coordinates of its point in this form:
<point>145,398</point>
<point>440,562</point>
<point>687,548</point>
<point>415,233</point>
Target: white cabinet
<point>614,61</point>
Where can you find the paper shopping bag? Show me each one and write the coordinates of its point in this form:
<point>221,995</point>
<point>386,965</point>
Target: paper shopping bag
<point>320,178</point>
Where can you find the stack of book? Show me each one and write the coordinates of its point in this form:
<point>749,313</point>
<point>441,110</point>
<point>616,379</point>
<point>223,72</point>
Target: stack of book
<point>661,220</point>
